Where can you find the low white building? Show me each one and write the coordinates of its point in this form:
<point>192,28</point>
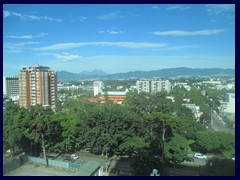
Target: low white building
<point>195,110</point>
<point>185,85</point>
<point>171,98</point>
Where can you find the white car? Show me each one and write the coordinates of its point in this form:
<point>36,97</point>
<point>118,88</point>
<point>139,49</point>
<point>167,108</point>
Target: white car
<point>74,156</point>
<point>199,156</point>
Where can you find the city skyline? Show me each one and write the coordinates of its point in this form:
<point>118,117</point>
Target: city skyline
<point>118,38</point>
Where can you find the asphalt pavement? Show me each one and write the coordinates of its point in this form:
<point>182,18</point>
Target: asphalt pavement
<point>197,161</point>
<point>218,124</point>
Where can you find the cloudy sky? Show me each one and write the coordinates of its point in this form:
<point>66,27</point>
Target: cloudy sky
<point>118,38</point>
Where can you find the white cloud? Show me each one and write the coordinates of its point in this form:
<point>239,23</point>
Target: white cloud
<point>67,57</point>
<point>22,37</point>
<point>188,33</point>
<point>6,13</point>
<point>19,47</point>
<point>63,56</point>
<point>25,17</point>
<point>178,7</point>
<point>113,32</point>
<point>39,35</point>
<point>111,16</point>
<point>155,7</point>
<point>82,18</point>
<point>216,9</point>
<point>116,44</point>
<point>174,48</point>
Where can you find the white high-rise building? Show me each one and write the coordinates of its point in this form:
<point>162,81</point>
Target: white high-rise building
<point>143,86</point>
<point>98,87</point>
<point>166,85</point>
<point>10,87</point>
<point>156,86</point>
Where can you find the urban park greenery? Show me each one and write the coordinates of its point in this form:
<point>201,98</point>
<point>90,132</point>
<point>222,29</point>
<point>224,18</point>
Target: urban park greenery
<point>146,125</point>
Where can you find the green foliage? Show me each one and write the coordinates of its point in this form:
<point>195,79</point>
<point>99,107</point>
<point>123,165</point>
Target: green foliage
<point>134,144</point>
<point>144,163</point>
<point>219,167</point>
<point>146,124</point>
<point>208,141</point>
<point>217,142</point>
<point>176,149</point>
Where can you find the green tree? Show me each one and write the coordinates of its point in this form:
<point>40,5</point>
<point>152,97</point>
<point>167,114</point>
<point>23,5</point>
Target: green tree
<point>219,167</point>
<point>11,131</point>
<point>176,149</point>
<point>161,128</point>
<point>207,141</point>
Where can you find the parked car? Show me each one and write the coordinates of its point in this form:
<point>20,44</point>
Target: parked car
<point>189,159</point>
<point>199,156</point>
<point>74,156</point>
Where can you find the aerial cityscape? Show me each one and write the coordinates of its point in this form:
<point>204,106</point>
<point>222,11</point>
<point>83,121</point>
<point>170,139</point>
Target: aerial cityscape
<point>119,90</point>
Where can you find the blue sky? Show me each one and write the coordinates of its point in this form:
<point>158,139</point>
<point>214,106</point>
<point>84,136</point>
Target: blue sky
<point>118,38</point>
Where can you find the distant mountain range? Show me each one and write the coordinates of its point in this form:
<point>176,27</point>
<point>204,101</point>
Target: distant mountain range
<point>96,72</point>
<point>65,76</point>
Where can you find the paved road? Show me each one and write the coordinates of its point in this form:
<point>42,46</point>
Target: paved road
<point>218,125</point>
<point>197,161</point>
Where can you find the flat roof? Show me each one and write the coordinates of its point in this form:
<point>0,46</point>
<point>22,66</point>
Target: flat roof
<point>116,93</point>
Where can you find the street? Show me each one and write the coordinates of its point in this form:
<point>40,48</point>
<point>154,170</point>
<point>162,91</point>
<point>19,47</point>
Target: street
<point>218,124</point>
<point>197,161</point>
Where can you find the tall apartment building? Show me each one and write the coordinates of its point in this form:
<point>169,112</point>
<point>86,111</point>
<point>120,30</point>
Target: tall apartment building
<point>166,85</point>
<point>10,87</point>
<point>98,87</point>
<point>37,85</point>
<point>153,86</point>
<point>143,86</point>
<point>156,86</point>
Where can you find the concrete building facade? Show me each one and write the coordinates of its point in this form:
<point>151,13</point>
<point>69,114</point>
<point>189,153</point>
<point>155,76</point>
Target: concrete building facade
<point>230,103</point>
<point>153,86</point>
<point>143,86</point>
<point>98,87</point>
<point>11,87</point>
<point>37,85</point>
<point>116,96</point>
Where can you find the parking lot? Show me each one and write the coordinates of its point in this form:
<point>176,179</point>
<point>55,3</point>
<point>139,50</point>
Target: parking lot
<point>82,158</point>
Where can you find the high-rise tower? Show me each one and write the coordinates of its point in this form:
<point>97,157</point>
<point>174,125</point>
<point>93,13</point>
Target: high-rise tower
<point>10,87</point>
<point>98,87</point>
<point>37,85</point>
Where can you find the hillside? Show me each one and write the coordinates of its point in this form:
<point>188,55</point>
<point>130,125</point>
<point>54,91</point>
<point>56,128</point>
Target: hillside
<point>163,73</point>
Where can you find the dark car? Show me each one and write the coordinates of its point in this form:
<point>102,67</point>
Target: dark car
<point>189,159</point>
